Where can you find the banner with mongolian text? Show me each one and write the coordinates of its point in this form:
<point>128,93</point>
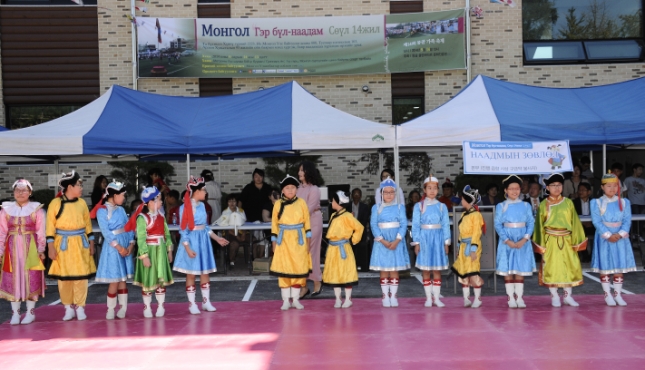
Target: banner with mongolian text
<point>516,157</point>
<point>262,47</point>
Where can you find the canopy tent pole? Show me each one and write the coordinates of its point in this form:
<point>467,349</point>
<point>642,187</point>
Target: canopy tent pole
<point>135,47</point>
<point>396,158</point>
<point>604,159</point>
<point>469,74</point>
<point>219,171</point>
<point>56,167</point>
<point>380,163</point>
<point>188,167</point>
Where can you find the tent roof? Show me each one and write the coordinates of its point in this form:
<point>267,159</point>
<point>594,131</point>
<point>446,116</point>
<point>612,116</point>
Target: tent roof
<point>124,121</point>
<point>492,110</point>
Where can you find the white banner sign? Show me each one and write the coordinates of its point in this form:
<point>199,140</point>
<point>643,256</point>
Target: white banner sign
<point>516,157</point>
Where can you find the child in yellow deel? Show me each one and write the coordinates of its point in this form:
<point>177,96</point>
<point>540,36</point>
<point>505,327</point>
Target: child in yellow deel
<point>289,228</point>
<point>340,264</point>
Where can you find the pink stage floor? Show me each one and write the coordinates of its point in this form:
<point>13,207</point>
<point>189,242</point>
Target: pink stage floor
<point>257,335</point>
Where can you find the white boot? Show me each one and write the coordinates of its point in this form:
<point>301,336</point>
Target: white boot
<point>466,291</point>
<point>568,299</point>
<point>206,298</point>
<point>190,292</point>
<point>555,297</point>
<point>618,286</point>
<point>15,316</point>
<point>295,297</point>
<point>160,294</point>
<point>80,313</point>
<point>427,288</point>
<point>111,304</point>
<point>606,288</point>
<point>147,301</point>
<point>510,293</point>
<point>339,301</point>
<point>519,292</point>
<point>478,298</point>
<point>436,293</point>
<point>123,301</point>
<point>30,316</point>
<point>69,313</point>
<point>385,289</point>
<point>348,298</point>
<point>286,294</point>
<point>394,287</point>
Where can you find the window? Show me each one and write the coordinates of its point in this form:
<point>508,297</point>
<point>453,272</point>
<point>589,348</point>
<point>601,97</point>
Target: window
<point>406,109</point>
<point>22,116</point>
<point>582,31</point>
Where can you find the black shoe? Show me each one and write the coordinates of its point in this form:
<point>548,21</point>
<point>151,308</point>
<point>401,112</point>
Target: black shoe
<point>318,292</point>
<point>306,294</point>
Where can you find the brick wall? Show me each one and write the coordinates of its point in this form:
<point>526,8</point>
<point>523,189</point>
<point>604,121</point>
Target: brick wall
<point>496,52</point>
<point>115,45</point>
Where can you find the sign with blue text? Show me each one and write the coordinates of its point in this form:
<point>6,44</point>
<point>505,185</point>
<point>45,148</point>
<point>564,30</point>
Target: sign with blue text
<point>516,157</point>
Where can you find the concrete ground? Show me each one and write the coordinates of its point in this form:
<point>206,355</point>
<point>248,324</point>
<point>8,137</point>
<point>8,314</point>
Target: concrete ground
<point>239,285</point>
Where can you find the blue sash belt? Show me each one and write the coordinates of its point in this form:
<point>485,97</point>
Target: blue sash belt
<point>298,227</point>
<point>66,233</point>
<point>468,248</point>
<point>341,246</point>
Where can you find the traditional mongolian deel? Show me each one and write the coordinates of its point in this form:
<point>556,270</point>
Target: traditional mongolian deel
<point>470,233</point>
<point>289,228</point>
<point>153,241</point>
<point>431,229</point>
<point>199,241</point>
<point>611,258</point>
<point>22,237</point>
<point>340,265</point>
<point>389,222</point>
<point>113,267</point>
<point>514,220</point>
<point>70,228</point>
<point>559,236</point>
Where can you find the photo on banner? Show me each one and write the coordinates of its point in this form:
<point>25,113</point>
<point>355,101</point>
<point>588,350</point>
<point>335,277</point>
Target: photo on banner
<point>516,157</point>
<point>300,46</point>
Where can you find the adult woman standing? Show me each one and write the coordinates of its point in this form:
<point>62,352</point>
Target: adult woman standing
<point>310,193</point>
<point>571,185</point>
<point>100,184</point>
<point>214,193</point>
<point>22,244</point>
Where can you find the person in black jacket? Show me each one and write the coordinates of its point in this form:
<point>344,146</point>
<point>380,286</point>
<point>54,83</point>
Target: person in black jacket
<point>362,212</point>
<point>583,208</point>
<point>254,196</point>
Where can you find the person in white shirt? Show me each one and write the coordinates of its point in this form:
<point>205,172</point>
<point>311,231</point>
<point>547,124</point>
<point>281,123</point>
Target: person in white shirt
<point>213,192</point>
<point>232,216</point>
<point>534,197</point>
<point>636,194</point>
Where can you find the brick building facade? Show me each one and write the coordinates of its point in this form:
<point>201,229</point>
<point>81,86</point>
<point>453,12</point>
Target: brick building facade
<point>496,48</point>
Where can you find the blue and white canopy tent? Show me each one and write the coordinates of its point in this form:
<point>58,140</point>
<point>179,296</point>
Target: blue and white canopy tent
<point>493,110</point>
<point>2,128</point>
<point>126,122</point>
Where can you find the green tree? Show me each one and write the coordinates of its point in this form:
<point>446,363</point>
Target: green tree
<point>631,24</point>
<point>576,27</point>
<point>418,164</point>
<point>600,24</point>
<point>538,18</point>
<point>135,173</point>
<point>276,168</point>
